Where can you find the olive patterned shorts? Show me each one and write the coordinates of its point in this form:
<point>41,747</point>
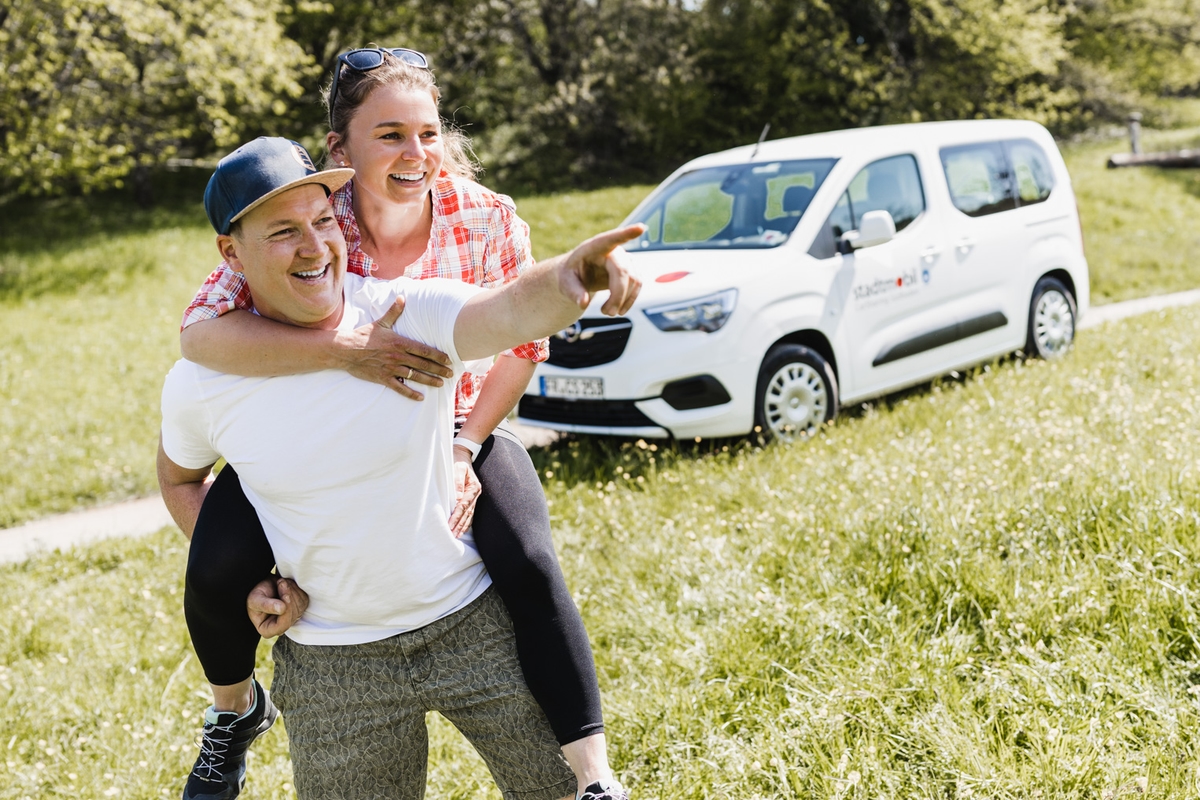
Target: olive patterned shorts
<point>355,714</point>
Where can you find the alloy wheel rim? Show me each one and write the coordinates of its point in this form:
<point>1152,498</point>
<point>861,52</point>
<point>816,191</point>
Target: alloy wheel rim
<point>796,401</point>
<point>1053,323</point>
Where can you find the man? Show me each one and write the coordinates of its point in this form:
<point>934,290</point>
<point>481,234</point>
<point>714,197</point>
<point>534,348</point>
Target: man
<point>354,486</point>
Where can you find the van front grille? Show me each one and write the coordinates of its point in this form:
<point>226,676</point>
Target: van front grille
<point>590,342</point>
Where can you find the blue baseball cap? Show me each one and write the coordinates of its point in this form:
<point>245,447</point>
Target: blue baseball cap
<point>256,172</point>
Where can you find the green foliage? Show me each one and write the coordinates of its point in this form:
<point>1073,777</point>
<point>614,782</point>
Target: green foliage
<point>94,91</point>
<point>578,92</point>
<point>846,63</point>
<point>560,93</point>
<point>1132,47</point>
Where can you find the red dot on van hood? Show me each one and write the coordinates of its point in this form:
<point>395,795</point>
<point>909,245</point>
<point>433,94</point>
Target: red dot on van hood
<point>671,276</point>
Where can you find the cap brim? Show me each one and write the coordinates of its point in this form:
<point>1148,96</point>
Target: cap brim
<point>331,179</point>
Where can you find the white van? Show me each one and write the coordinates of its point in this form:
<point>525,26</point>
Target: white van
<point>784,279</point>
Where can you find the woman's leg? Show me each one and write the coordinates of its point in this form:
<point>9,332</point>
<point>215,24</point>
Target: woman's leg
<point>229,554</point>
<point>512,532</point>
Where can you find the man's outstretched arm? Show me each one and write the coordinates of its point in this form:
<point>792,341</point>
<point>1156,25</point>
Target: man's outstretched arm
<point>549,297</point>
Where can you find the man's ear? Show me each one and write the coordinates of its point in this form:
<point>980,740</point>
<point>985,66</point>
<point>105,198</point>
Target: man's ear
<point>227,246</point>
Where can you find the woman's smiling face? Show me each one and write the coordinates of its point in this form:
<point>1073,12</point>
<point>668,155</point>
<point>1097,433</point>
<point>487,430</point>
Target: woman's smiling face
<point>394,143</point>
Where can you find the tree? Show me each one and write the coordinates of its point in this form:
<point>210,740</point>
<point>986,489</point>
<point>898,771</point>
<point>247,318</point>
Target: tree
<point>824,64</point>
<point>562,92</point>
<point>98,90</point>
<point>1126,52</point>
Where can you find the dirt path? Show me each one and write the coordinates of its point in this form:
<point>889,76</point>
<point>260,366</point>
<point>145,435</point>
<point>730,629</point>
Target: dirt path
<point>140,517</point>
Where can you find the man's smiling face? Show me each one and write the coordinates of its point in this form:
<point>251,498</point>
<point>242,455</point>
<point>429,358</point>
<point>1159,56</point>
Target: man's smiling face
<point>293,255</point>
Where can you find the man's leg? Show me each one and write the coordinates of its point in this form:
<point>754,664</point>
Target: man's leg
<point>470,673</point>
<point>512,532</point>
<point>355,727</point>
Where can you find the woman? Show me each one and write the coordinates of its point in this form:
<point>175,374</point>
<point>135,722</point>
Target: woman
<point>410,210</point>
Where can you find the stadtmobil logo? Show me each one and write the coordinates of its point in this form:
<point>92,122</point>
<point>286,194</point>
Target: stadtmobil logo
<point>881,286</point>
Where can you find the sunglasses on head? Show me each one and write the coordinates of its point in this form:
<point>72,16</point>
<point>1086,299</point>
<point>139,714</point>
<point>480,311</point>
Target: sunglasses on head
<point>366,59</point>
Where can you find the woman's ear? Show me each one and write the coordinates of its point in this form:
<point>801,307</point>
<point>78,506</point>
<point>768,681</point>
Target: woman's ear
<point>333,143</point>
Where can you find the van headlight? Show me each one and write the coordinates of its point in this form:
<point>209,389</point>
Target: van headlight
<point>702,314</point>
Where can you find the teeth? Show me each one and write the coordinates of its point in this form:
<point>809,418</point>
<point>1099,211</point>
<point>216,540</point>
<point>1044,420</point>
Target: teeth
<point>408,176</point>
<point>313,273</point>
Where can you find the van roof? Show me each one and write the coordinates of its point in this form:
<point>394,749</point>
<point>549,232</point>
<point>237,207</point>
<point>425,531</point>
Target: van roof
<point>862,141</point>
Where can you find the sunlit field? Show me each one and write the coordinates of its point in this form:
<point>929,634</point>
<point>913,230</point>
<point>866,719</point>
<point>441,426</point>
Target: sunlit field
<point>91,293</point>
<point>983,588</point>
<point>1138,222</point>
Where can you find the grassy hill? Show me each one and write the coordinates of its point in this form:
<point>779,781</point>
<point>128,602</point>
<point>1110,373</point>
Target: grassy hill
<point>980,588</point>
<point>91,293</point>
<point>986,588</point>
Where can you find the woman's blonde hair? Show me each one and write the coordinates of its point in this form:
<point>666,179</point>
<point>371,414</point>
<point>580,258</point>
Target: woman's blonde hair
<point>355,87</point>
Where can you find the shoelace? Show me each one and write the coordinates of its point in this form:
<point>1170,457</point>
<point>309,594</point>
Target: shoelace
<point>211,758</point>
<point>614,790</point>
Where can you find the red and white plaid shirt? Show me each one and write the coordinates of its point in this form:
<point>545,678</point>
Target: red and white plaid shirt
<point>476,237</point>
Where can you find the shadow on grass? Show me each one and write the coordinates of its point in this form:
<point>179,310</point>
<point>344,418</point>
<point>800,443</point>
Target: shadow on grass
<point>582,458</point>
<point>1186,179</point>
<point>38,234</point>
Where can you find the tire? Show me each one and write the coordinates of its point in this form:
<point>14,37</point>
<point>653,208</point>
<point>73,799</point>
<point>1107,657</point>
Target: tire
<point>1052,314</point>
<point>797,393</point>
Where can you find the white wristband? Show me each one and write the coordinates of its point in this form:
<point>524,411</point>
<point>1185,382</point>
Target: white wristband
<point>471,446</point>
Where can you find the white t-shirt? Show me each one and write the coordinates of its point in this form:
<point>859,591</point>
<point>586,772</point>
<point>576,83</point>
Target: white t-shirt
<point>353,483</point>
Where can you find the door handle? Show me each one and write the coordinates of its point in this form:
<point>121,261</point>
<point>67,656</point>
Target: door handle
<point>930,253</point>
<point>965,244</point>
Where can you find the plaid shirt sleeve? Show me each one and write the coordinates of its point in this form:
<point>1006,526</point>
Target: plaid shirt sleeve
<point>223,291</point>
<point>509,254</point>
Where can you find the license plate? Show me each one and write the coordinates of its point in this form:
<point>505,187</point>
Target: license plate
<point>560,386</point>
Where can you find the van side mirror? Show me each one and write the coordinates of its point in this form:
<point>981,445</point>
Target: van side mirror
<point>876,227</point>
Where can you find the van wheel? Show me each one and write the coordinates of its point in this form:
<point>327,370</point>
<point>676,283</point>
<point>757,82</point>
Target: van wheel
<point>1051,319</point>
<point>797,392</point>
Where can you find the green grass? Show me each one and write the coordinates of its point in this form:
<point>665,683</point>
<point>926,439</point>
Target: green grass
<point>1138,222</point>
<point>81,373</point>
<point>91,292</point>
<point>559,222</point>
<point>983,588</point>
<point>987,588</point>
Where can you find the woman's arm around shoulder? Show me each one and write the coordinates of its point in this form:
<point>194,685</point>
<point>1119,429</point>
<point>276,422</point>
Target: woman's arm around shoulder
<point>243,343</point>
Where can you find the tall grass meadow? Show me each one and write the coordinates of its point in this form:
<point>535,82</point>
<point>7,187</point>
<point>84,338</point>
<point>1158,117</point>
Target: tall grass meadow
<point>985,588</point>
<point>982,587</point>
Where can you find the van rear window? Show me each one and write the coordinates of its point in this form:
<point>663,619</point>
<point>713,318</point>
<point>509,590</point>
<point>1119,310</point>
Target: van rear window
<point>990,177</point>
<point>753,205</point>
<point>1031,171</point>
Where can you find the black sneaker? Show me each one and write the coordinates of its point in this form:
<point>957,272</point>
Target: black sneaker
<point>220,771</point>
<point>600,791</point>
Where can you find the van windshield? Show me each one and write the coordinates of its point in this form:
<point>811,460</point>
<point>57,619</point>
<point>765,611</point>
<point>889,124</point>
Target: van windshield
<point>739,206</point>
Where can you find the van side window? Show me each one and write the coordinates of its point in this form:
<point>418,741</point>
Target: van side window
<point>978,177</point>
<point>1031,171</point>
<point>890,184</point>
